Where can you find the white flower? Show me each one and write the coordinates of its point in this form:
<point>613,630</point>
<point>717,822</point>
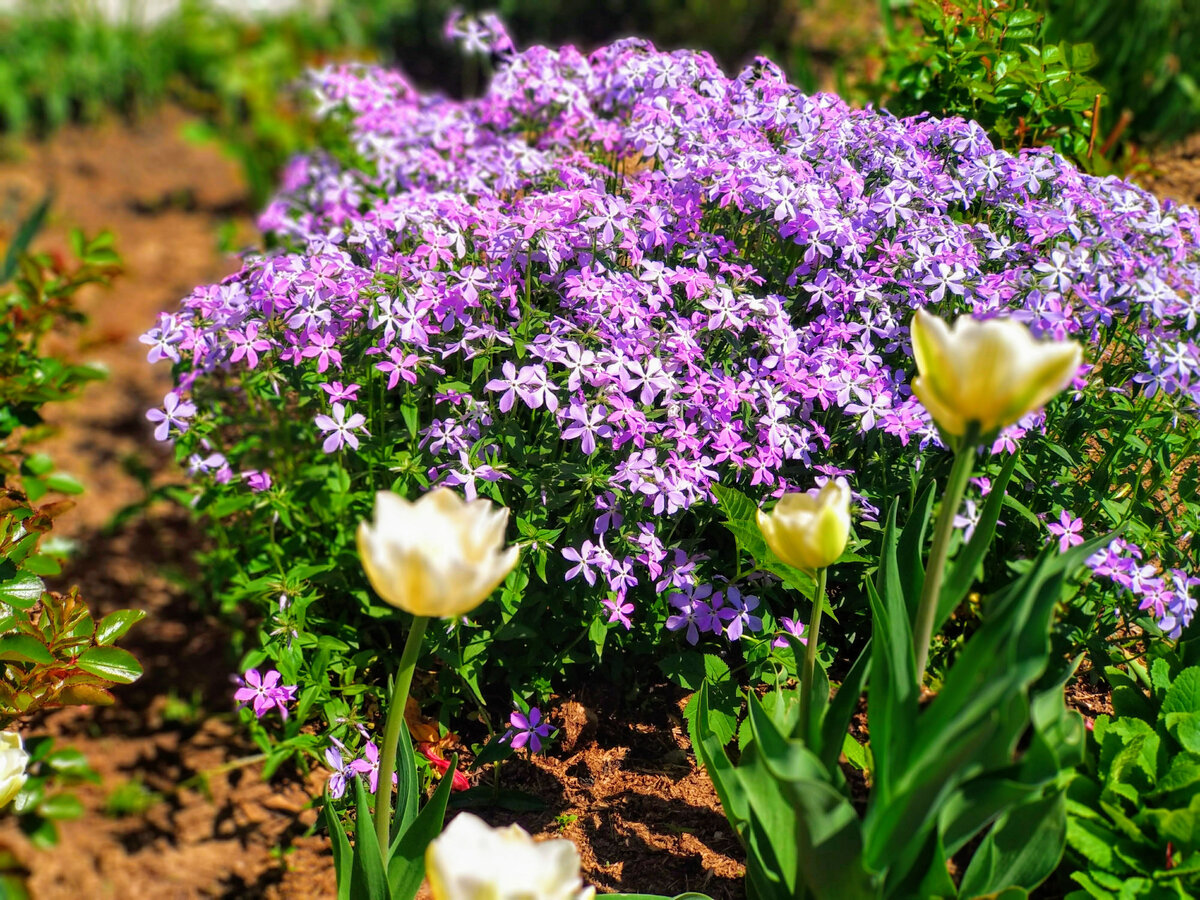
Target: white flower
<point>809,530</point>
<point>13,760</point>
<point>440,556</point>
<point>470,860</point>
<point>991,373</point>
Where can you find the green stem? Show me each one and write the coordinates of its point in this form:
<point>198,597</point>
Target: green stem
<point>391,733</point>
<point>810,655</point>
<point>964,460</point>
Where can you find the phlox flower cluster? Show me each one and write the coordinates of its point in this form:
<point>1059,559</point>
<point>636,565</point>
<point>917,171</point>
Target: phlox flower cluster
<point>683,276</point>
<point>344,766</point>
<point>1166,595</point>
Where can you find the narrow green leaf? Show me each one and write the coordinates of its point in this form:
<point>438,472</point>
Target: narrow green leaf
<point>406,867</point>
<point>367,878</point>
<point>961,574</point>
<point>343,856</point>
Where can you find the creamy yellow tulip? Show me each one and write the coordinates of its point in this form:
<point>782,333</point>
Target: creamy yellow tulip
<point>13,760</point>
<point>991,373</point>
<point>440,556</point>
<point>470,860</point>
<point>809,530</point>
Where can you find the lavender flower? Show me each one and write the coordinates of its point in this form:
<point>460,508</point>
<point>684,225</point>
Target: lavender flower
<point>527,729</point>
<point>341,429</point>
<point>264,693</point>
<point>174,414</point>
<point>1067,530</point>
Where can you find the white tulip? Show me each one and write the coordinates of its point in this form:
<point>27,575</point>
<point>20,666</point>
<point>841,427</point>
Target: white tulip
<point>470,860</point>
<point>990,373</point>
<point>809,530</point>
<point>13,760</point>
<point>440,556</point>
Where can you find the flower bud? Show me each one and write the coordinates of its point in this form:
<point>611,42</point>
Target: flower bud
<point>13,760</point>
<point>809,530</point>
<point>470,860</point>
<point>440,556</point>
<point>990,373</point>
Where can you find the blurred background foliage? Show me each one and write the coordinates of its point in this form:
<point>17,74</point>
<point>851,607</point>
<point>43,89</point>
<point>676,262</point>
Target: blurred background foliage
<point>1031,71</point>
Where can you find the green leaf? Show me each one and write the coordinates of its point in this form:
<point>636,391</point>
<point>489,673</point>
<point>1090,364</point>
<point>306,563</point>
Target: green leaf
<point>23,591</point>
<point>343,856</point>
<point>1184,693</point>
<point>114,626</point>
<point>406,867</point>
<point>24,237</point>
<point>961,573</point>
<point>1185,728</point>
<point>110,663</point>
<point>60,806</point>
<point>71,763</point>
<point>24,647</point>
<point>1022,849</point>
<point>64,483</point>
<point>367,878</point>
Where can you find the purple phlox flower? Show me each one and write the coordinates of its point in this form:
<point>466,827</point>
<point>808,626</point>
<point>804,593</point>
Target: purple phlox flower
<point>368,765</point>
<point>256,480</point>
<point>1181,605</point>
<point>322,344</point>
<point>163,339</point>
<point>341,770</point>
<point>466,475</point>
<point>968,519</point>
<point>264,692</point>
<point>199,465</point>
<point>340,393</point>
<point>174,413</point>
<point>619,610</point>
<point>527,729</point>
<point>743,620</point>
<point>588,426</point>
<point>695,615</point>
<point>584,558</point>
<point>610,515</point>
<point>341,429</point>
<point>793,627</point>
<point>1068,530</point>
<point>399,365</point>
<point>247,344</point>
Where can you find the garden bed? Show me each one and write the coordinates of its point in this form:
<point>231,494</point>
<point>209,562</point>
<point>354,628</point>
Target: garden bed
<point>621,782</point>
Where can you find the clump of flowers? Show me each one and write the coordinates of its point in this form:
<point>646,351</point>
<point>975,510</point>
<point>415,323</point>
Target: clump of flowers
<point>616,281</point>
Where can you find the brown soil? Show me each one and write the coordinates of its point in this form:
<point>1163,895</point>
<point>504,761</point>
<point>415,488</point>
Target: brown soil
<point>1175,172</point>
<point>627,792</point>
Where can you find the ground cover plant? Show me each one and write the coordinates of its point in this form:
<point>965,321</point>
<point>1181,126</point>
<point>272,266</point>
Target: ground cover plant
<point>629,298</point>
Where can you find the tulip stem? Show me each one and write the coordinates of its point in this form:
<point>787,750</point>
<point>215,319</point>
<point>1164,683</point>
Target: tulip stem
<point>810,656</point>
<point>391,734</point>
<point>931,589</point>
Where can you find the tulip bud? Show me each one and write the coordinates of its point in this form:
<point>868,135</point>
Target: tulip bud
<point>440,556</point>
<point>989,373</point>
<point>470,860</point>
<point>809,530</point>
<point>13,760</point>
